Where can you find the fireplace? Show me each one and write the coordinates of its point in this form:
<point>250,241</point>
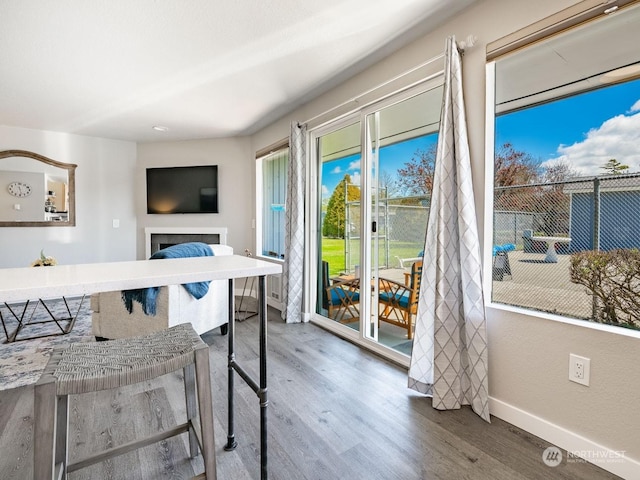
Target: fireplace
<point>157,238</point>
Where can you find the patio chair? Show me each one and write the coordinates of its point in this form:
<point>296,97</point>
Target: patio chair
<point>398,302</point>
<point>340,297</point>
<point>532,246</point>
<point>501,265</point>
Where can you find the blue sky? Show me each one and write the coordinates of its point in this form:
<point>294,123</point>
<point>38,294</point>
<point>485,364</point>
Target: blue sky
<point>392,158</point>
<point>586,129</point>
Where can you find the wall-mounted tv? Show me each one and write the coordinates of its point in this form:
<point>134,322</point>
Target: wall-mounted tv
<point>191,189</point>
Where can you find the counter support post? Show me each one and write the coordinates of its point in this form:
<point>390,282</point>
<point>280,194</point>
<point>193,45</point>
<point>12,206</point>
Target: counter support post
<point>231,442</point>
<point>264,402</point>
<point>260,387</point>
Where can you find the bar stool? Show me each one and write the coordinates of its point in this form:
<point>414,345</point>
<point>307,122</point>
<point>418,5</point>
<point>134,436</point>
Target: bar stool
<point>90,367</point>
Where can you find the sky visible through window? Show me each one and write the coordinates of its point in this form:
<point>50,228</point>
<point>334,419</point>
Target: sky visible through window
<point>586,129</point>
<point>392,157</point>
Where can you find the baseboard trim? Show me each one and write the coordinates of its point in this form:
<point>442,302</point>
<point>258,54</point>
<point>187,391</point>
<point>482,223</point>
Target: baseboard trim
<point>271,302</point>
<point>603,457</point>
<point>274,303</point>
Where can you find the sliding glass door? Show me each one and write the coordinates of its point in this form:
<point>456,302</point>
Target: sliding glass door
<point>374,179</point>
<point>339,223</point>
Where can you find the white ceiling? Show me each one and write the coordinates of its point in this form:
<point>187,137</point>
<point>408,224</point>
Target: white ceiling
<point>202,68</point>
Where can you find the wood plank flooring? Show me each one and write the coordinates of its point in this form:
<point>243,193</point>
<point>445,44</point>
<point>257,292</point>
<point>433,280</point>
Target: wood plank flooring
<point>335,412</point>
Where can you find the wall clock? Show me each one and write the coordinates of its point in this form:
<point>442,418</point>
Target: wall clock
<point>19,189</point>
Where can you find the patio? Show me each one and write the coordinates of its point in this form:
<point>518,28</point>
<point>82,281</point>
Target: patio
<point>533,283</point>
<point>542,286</point>
<point>388,335</point>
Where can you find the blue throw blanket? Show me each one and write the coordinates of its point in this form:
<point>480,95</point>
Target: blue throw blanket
<point>147,296</point>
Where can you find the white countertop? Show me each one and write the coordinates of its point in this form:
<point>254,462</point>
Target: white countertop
<point>18,284</point>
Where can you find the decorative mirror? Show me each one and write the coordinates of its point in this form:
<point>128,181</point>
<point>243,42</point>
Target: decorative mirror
<point>36,191</point>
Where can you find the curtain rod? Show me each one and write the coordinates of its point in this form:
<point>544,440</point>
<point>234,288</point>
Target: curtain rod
<point>462,46</point>
<point>373,89</point>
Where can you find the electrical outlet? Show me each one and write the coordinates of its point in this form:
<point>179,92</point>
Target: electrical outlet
<point>579,369</point>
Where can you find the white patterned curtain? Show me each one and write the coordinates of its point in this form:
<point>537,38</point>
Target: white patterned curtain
<point>293,269</point>
<point>449,358</point>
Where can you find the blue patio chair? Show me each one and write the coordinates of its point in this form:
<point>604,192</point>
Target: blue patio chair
<point>340,297</point>
<point>501,265</point>
<point>399,302</point>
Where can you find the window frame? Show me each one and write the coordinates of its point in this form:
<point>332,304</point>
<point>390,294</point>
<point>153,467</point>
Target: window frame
<point>261,157</point>
<point>563,26</point>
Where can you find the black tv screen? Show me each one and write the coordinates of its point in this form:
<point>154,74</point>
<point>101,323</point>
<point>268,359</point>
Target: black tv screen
<point>182,189</point>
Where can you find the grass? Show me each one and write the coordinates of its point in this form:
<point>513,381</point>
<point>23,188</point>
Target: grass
<point>333,251</point>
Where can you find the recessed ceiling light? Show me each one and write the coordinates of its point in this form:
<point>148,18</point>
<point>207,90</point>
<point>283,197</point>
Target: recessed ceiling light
<point>160,128</point>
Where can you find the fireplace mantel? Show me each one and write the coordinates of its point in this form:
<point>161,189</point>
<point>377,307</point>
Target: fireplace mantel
<point>150,232</point>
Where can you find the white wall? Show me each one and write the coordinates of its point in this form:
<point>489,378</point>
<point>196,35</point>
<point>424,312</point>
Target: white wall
<point>528,355</point>
<point>104,191</point>
<point>236,195</point>
<point>31,207</point>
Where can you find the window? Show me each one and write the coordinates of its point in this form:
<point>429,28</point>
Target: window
<point>567,174</point>
<point>272,190</point>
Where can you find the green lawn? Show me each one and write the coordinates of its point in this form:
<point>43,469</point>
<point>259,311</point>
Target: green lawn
<point>333,251</point>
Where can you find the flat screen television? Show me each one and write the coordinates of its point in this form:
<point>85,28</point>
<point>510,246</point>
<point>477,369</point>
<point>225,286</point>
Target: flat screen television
<point>191,189</point>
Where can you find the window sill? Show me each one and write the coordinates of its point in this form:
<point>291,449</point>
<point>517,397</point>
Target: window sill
<point>627,332</point>
<point>270,259</point>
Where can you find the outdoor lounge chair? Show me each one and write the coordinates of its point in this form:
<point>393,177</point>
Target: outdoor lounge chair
<point>340,297</point>
<point>398,302</point>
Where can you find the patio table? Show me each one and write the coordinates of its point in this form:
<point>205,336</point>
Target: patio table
<point>551,255</point>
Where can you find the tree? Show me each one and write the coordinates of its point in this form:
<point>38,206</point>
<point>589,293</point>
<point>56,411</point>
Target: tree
<point>614,167</point>
<point>387,185</point>
<point>417,175</point>
<point>554,203</point>
<point>334,221</point>
<point>513,167</point>
<point>559,171</point>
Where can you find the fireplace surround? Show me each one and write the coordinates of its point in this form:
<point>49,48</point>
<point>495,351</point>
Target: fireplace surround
<point>157,238</point>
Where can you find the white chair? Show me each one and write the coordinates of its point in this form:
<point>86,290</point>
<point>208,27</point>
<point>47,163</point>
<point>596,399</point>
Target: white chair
<point>174,305</point>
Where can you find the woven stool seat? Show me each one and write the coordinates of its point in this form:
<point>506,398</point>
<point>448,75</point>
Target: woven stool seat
<point>89,367</point>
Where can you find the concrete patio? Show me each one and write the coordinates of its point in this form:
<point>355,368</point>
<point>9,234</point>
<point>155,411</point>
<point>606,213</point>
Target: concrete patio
<point>542,286</point>
<point>533,284</point>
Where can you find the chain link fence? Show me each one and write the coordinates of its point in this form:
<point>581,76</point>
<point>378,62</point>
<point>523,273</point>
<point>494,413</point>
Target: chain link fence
<point>537,229</point>
<point>401,225</point>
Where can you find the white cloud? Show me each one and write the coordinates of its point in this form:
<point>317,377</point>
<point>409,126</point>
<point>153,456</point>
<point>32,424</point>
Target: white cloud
<point>336,170</point>
<point>325,191</point>
<point>355,165</point>
<point>635,107</point>
<point>617,137</point>
<point>355,178</point>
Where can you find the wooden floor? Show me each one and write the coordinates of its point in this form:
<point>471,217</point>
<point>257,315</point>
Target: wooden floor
<point>335,412</point>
